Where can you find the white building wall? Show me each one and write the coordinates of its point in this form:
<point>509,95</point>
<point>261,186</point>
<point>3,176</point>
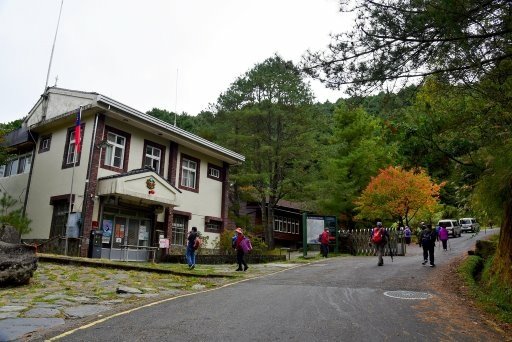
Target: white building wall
<point>50,179</point>
<point>208,202</point>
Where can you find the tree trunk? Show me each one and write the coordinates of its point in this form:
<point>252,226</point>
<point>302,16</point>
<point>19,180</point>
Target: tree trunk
<point>503,258</point>
<point>266,222</point>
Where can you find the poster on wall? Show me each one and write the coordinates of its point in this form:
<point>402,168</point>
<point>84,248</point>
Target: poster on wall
<point>315,226</point>
<point>107,228</point>
<point>143,234</point>
<point>163,243</point>
<point>119,231</point>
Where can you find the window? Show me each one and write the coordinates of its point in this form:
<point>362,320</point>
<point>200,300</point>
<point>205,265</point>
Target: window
<point>116,150</point>
<point>24,163</point>
<point>179,227</point>
<point>44,143</point>
<point>59,218</point>
<point>189,176</point>
<point>286,224</point>
<point>214,172</point>
<point>71,158</point>
<point>212,224</point>
<point>16,166</point>
<point>114,154</point>
<point>154,156</point>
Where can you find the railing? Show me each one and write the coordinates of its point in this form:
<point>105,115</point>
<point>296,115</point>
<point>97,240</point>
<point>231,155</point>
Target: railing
<point>356,242</point>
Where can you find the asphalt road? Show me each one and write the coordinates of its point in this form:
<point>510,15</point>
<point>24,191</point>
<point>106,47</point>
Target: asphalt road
<point>335,299</point>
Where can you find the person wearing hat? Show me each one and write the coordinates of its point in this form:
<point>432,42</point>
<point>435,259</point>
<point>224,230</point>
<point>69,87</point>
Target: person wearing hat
<point>324,242</point>
<point>237,244</point>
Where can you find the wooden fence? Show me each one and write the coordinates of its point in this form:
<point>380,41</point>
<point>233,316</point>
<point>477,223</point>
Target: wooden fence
<point>356,242</point>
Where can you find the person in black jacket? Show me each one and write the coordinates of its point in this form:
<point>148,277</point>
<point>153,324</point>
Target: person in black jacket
<point>427,241</point>
<point>191,253</point>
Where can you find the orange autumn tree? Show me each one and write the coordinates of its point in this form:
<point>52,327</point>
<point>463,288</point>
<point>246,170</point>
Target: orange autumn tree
<point>399,195</point>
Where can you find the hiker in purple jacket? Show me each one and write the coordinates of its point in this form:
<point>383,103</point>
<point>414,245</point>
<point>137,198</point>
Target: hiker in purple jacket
<point>443,236</point>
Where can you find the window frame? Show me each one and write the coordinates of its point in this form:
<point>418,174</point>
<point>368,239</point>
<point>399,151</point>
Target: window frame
<point>197,171</point>
<point>211,220</point>
<point>71,132</point>
<point>148,143</point>
<point>216,168</point>
<point>174,232</point>
<point>45,138</point>
<point>16,166</point>
<point>125,157</point>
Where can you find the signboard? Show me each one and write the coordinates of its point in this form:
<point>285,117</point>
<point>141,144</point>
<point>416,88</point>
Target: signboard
<point>315,226</point>
<point>163,243</point>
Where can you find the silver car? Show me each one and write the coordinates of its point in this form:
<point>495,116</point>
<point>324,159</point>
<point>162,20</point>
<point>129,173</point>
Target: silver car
<point>469,224</point>
<point>452,226</point>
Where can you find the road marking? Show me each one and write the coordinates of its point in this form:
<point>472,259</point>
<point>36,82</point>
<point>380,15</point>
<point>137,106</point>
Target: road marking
<point>70,332</point>
<point>408,295</point>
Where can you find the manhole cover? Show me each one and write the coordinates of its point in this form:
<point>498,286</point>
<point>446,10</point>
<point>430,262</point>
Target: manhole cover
<point>408,295</point>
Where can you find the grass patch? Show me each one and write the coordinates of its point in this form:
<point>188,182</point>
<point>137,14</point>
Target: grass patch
<point>487,288</point>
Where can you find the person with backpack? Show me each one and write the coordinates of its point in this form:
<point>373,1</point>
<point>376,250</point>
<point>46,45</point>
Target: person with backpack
<point>240,246</point>
<point>407,234</point>
<point>379,238</point>
<point>443,236</point>
<point>427,240</point>
<point>324,242</point>
<point>191,250</point>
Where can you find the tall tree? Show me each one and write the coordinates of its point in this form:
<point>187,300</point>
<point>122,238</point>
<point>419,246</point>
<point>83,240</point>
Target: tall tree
<point>358,149</point>
<point>266,114</point>
<point>399,195</point>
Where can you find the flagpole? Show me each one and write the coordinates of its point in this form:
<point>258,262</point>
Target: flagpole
<point>75,157</point>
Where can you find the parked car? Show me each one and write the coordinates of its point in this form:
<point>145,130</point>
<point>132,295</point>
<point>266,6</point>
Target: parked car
<point>469,224</point>
<point>452,226</point>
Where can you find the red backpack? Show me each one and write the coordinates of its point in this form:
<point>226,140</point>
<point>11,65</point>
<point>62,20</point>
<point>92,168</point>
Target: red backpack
<point>378,235</point>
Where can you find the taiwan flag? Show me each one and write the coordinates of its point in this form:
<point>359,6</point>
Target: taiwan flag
<point>77,131</point>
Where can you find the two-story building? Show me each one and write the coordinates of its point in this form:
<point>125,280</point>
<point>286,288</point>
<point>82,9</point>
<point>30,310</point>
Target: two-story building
<point>133,178</point>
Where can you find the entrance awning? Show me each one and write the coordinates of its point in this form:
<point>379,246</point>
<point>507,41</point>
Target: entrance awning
<point>141,185</point>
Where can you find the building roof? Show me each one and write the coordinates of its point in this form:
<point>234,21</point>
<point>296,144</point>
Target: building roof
<point>93,99</point>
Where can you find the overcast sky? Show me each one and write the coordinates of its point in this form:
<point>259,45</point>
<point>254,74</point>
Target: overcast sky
<point>170,54</point>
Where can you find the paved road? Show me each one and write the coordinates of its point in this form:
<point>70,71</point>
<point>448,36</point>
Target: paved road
<point>336,299</point>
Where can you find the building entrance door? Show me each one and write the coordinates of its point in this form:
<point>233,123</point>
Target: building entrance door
<point>129,237</point>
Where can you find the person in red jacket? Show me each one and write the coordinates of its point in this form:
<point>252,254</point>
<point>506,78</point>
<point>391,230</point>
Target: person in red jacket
<point>237,241</point>
<point>324,242</point>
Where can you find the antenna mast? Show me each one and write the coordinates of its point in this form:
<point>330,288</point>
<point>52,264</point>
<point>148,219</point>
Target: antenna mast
<point>175,98</point>
<point>53,47</point>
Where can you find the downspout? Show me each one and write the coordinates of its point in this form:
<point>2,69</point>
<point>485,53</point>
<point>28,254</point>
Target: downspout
<point>30,173</point>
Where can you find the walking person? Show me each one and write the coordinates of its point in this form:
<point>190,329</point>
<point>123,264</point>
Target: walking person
<point>191,252</point>
<point>324,242</point>
<point>379,238</point>
<point>427,241</point>
<point>407,234</point>
<point>238,245</point>
<point>443,236</point>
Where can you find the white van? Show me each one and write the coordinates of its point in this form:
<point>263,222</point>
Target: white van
<point>469,224</point>
<point>452,226</point>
